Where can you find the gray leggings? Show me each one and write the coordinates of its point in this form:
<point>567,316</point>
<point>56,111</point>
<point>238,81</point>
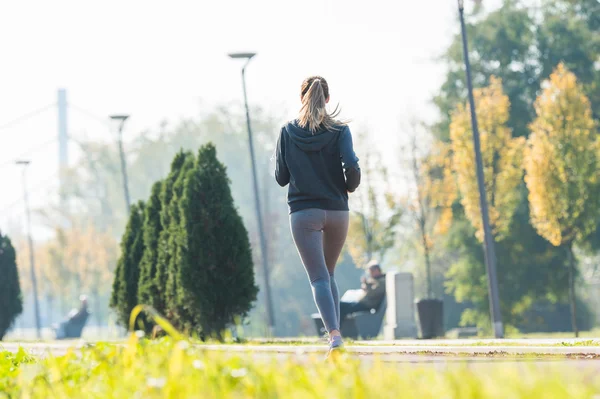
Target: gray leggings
<point>319,236</point>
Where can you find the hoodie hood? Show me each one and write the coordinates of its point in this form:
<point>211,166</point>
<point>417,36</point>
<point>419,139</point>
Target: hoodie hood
<point>307,141</point>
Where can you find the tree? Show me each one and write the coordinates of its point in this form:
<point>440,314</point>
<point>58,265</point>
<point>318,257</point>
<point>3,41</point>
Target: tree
<point>502,161</point>
<point>501,156</point>
<point>10,289</point>
<point>125,285</point>
<point>421,213</point>
<point>570,34</point>
<point>439,184</point>
<point>215,277</point>
<point>502,44</point>
<point>522,45</point>
<point>533,272</point>
<point>373,222</point>
<point>163,251</point>
<point>171,236</point>
<point>562,163</point>
<point>148,288</point>
<point>434,192</point>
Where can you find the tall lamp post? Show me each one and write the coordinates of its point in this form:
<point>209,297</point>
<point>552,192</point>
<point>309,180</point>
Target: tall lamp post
<point>122,119</point>
<point>263,242</point>
<point>36,305</point>
<point>490,254</point>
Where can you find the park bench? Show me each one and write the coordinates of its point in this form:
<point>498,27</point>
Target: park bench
<point>365,325</point>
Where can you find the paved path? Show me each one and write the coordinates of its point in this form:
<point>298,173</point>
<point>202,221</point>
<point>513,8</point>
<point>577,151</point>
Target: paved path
<point>455,350</point>
<point>488,359</point>
<point>468,348</point>
<point>445,342</point>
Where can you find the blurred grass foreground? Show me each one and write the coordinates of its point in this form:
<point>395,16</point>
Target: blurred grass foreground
<point>168,368</point>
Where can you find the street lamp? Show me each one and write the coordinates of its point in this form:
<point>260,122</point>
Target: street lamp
<point>263,242</point>
<point>36,305</point>
<point>122,119</point>
<point>490,255</point>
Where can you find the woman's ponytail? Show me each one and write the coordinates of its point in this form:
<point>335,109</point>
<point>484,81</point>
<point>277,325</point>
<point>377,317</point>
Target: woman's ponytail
<point>313,109</point>
<point>313,114</point>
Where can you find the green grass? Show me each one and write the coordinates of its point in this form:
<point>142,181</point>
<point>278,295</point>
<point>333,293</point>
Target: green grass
<point>587,342</point>
<point>169,369</point>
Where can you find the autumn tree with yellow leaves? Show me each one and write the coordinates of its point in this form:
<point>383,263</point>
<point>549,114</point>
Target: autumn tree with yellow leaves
<point>562,163</point>
<point>502,157</point>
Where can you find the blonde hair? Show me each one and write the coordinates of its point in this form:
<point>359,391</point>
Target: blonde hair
<point>313,114</point>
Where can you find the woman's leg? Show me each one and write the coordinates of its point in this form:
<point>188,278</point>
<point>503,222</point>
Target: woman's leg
<point>334,237</point>
<point>307,231</point>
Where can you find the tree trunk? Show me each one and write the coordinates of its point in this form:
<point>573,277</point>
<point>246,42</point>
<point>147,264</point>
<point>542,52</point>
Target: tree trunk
<point>427,260</point>
<point>428,267</point>
<point>572,296</point>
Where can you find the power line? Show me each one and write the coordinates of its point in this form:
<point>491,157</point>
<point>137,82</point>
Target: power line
<point>90,114</point>
<point>27,116</point>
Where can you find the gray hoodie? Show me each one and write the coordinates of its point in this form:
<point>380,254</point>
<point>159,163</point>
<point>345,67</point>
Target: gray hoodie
<point>320,168</point>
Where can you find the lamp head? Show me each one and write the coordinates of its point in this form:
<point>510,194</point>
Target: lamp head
<point>121,118</point>
<point>247,56</point>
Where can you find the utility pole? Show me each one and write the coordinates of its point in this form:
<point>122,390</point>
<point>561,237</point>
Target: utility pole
<point>63,164</point>
<point>36,305</point>
<point>489,251</point>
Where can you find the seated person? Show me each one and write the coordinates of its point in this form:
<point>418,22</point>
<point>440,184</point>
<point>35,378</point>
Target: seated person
<point>371,293</point>
<point>72,327</point>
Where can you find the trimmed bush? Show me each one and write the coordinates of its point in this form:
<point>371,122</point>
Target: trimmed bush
<point>215,274</point>
<point>164,254</point>
<point>168,237</point>
<point>11,301</point>
<point>148,291</point>
<point>127,274</point>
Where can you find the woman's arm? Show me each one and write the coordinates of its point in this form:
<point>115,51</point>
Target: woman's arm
<point>282,173</point>
<point>349,160</point>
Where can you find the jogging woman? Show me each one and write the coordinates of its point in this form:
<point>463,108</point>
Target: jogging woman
<point>316,158</point>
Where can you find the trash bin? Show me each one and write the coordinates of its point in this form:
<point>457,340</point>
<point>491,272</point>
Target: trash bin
<point>431,318</point>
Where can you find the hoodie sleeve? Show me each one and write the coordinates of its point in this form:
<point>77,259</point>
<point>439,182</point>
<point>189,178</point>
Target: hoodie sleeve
<point>349,160</point>
<point>282,173</point>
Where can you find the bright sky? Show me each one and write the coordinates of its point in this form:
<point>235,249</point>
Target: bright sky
<point>160,60</point>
